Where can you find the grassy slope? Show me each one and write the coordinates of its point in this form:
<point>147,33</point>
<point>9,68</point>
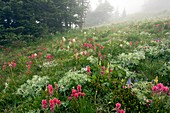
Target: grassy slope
<point>108,36</point>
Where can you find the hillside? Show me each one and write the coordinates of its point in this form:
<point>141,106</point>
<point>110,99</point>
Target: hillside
<point>123,67</point>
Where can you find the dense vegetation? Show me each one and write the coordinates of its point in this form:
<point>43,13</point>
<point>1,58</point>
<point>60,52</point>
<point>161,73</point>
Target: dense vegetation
<point>117,68</point>
<point>31,19</point>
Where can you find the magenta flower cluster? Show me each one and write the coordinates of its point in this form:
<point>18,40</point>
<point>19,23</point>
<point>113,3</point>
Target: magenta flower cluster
<point>52,102</point>
<point>160,88</point>
<point>76,93</point>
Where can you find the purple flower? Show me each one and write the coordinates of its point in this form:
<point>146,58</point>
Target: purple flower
<point>129,81</point>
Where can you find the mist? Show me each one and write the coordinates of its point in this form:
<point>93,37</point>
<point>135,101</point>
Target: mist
<point>103,12</point>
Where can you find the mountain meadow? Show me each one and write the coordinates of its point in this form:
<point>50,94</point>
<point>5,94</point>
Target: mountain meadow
<point>123,67</point>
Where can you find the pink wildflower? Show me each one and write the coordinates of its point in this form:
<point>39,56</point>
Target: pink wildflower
<point>52,105</point>
<point>55,100</point>
<point>44,104</point>
<point>74,91</point>
<point>160,85</point>
<point>130,43</point>
<point>79,88</point>
<point>28,66</point>
<point>50,89</point>
<point>76,95</point>
<point>88,69</point>
<point>121,111</point>
<point>154,88</point>
<point>56,86</point>
<point>58,102</point>
<point>69,98</point>
<point>165,89</point>
<point>102,72</point>
<point>83,94</point>
<point>4,67</point>
<point>29,57</point>
<point>118,105</point>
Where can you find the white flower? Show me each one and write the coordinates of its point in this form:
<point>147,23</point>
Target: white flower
<point>85,33</point>
<point>121,45</point>
<point>74,40</point>
<point>35,54</point>
<point>63,39</point>
<point>70,43</point>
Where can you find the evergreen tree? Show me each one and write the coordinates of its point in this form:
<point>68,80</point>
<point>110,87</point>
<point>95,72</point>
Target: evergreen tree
<point>35,18</point>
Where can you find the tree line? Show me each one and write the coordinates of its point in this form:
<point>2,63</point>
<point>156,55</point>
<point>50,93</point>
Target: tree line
<point>36,18</point>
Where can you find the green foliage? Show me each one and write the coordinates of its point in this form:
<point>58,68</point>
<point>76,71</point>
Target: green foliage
<point>118,63</point>
<point>131,59</point>
<point>72,78</point>
<point>142,90</point>
<point>33,87</point>
<point>81,105</point>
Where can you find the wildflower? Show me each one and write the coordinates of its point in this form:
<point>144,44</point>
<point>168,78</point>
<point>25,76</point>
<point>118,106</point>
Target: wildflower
<point>39,53</point>
<point>49,57</point>
<point>74,40</point>
<point>79,88</point>
<point>14,64</point>
<point>165,89</point>
<point>76,95</point>
<point>29,57</point>
<point>110,70</point>
<point>19,54</point>
<point>55,100</point>
<point>83,94</point>
<point>129,81</point>
<point>58,102</point>
<point>4,67</point>
<point>99,54</point>
<point>154,88</point>
<point>28,66</point>
<point>121,111</point>
<point>136,80</point>
<point>44,104</point>
<point>148,102</point>
<point>79,93</point>
<point>130,43</point>
<point>27,63</point>
<point>50,89</point>
<point>88,69</point>
<point>136,43</point>
<point>118,105</point>
<point>74,91</point>
<point>63,39</point>
<point>121,45</point>
<point>69,98</point>
<point>56,86</point>
<point>52,105</point>
<point>103,68</point>
<point>102,72</point>
<point>102,47</point>
<point>160,85</point>
<point>44,49</point>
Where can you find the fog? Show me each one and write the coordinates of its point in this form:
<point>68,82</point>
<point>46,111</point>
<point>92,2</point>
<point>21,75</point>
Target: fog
<point>131,6</point>
<point>109,11</point>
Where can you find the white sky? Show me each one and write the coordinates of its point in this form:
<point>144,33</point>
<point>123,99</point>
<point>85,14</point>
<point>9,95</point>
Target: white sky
<point>131,6</point>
